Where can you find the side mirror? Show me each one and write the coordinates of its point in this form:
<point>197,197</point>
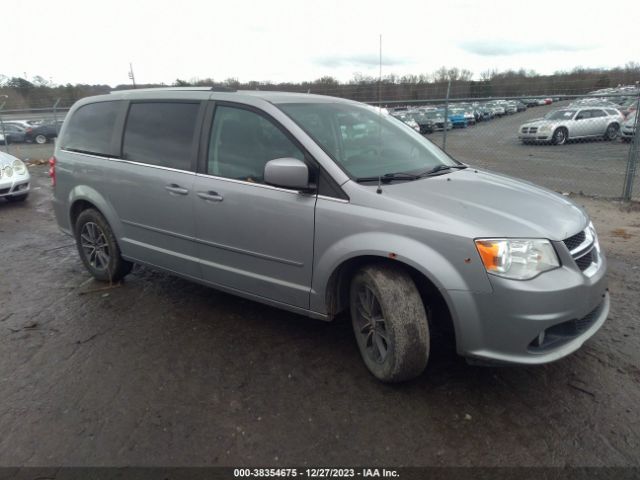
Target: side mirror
<point>287,173</point>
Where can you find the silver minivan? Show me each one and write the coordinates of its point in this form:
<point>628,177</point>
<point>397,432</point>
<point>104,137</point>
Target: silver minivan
<point>320,205</point>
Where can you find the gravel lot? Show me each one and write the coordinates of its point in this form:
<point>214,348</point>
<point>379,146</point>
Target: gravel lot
<point>161,371</point>
<point>593,167</point>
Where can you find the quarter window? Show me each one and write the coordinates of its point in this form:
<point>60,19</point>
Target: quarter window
<point>91,129</point>
<point>161,133</point>
<point>242,142</point>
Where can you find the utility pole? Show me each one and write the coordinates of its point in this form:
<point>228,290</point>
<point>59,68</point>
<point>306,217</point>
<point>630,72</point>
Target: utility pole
<point>4,134</point>
<point>380,75</point>
<point>131,75</point>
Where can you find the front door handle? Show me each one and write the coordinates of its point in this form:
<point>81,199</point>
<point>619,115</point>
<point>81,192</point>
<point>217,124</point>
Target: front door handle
<point>210,196</point>
<point>176,189</point>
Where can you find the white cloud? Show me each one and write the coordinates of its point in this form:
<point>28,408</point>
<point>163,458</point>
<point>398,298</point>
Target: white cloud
<point>294,40</point>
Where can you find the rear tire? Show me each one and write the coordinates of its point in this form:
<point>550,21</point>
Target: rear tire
<point>612,132</point>
<point>390,323</point>
<point>41,139</point>
<point>98,248</point>
<point>560,136</point>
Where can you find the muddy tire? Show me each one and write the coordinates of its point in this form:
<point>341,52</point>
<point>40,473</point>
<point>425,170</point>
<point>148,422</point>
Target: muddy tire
<point>98,248</point>
<point>390,323</point>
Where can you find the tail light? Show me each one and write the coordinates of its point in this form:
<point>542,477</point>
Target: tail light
<point>52,171</point>
<point>28,131</point>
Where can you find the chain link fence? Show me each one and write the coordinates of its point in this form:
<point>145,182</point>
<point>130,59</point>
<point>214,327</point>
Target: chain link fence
<point>579,143</point>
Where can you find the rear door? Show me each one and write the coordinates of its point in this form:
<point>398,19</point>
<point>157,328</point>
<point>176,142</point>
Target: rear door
<point>156,188</point>
<point>253,237</point>
<point>599,121</point>
<point>581,126</point>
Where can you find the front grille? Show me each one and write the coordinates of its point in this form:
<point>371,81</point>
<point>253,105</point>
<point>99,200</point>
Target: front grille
<point>529,129</point>
<point>585,261</point>
<point>582,247</point>
<point>4,190</point>
<point>575,241</point>
<point>563,332</point>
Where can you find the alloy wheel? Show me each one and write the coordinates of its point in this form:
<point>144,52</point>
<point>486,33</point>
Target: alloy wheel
<point>94,245</point>
<point>371,325</point>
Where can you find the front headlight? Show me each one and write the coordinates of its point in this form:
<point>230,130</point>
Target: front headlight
<point>545,128</point>
<point>19,167</point>
<point>517,258</point>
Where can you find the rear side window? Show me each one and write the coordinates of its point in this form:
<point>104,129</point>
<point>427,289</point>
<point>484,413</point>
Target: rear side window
<point>91,129</point>
<point>161,133</point>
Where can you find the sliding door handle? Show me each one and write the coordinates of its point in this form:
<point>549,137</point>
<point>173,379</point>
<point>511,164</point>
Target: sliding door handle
<point>210,196</point>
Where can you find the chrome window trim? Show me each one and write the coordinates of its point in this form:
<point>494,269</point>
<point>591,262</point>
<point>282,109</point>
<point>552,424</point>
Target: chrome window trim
<point>131,162</point>
<point>333,199</point>
<point>252,184</point>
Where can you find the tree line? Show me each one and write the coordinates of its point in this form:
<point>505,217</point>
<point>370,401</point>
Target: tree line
<point>21,93</point>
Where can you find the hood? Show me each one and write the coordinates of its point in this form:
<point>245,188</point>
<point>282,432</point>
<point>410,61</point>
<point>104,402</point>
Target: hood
<point>536,122</point>
<point>485,204</point>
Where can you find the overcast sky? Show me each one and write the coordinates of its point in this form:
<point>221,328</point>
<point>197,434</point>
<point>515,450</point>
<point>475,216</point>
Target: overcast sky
<point>85,41</point>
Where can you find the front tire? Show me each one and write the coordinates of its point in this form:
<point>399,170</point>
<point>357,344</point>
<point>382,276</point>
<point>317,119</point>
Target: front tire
<point>390,323</point>
<point>560,136</point>
<point>98,248</point>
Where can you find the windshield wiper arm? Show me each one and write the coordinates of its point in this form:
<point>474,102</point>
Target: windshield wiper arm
<point>441,168</point>
<point>388,177</point>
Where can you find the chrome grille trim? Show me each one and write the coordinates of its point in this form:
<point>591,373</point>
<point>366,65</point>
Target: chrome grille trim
<point>586,254</point>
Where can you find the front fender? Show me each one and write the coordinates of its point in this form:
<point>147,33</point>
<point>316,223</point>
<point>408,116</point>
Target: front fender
<point>443,273</point>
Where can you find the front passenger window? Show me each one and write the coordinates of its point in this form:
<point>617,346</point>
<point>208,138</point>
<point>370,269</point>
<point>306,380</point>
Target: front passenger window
<point>242,142</point>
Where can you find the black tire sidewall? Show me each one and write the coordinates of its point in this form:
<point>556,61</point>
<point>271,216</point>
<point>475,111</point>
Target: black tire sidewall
<point>117,267</point>
<point>555,136</point>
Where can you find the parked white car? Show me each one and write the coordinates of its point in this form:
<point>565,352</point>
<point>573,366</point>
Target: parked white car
<point>14,178</point>
<point>558,126</point>
<point>628,129</point>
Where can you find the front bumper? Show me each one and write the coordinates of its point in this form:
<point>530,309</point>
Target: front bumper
<point>15,185</point>
<point>627,132</point>
<point>564,307</point>
<point>536,137</point>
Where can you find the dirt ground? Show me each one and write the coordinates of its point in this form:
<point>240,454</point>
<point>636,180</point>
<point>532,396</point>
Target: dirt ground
<point>161,371</point>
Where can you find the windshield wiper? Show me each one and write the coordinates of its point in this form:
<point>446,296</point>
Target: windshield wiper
<point>388,177</point>
<point>440,168</point>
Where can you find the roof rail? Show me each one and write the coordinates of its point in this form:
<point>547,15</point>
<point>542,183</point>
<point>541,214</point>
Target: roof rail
<point>215,88</point>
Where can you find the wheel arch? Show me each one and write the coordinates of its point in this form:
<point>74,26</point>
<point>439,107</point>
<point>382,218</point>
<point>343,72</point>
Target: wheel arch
<point>438,310</point>
<point>82,197</point>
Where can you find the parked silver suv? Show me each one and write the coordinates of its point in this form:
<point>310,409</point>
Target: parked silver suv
<point>320,205</point>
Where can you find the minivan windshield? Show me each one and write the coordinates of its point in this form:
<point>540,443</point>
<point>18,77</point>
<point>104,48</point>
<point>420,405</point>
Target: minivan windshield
<point>366,143</point>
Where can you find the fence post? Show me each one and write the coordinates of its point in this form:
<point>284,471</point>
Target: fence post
<point>632,162</point>
<point>55,115</point>
<point>446,118</point>
<point>4,135</point>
